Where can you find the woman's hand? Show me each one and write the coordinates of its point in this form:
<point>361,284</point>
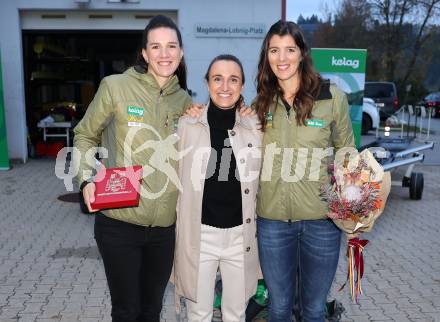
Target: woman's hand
<point>245,110</point>
<point>195,110</point>
<point>89,196</point>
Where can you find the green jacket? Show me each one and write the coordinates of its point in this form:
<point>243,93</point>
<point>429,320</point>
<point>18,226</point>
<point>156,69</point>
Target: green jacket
<point>116,118</point>
<point>292,191</point>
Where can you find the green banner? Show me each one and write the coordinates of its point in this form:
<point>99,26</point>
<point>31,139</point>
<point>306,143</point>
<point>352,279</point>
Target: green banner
<point>339,60</point>
<point>345,68</point>
<point>4,159</point>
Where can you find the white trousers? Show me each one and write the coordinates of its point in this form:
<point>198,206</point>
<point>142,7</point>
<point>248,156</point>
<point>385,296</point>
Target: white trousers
<point>223,249</point>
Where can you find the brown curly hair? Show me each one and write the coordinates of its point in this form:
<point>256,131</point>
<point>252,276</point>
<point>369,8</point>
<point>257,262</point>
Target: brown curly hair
<point>267,83</point>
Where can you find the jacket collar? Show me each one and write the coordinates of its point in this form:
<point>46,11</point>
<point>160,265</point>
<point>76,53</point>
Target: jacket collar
<point>324,93</point>
<point>171,86</point>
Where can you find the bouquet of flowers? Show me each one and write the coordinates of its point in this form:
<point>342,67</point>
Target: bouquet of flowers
<point>356,197</point>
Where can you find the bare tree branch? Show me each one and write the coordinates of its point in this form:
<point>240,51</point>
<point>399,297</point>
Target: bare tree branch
<point>421,38</point>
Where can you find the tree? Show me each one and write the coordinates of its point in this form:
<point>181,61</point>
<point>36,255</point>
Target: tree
<point>429,9</point>
<point>347,28</point>
<point>396,34</point>
<point>404,28</point>
<point>313,19</point>
<point>392,15</point>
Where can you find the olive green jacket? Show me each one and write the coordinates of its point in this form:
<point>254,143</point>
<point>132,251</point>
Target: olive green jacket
<point>293,171</point>
<point>134,120</point>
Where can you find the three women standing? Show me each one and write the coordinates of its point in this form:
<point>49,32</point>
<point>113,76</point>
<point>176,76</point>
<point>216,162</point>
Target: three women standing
<point>298,112</point>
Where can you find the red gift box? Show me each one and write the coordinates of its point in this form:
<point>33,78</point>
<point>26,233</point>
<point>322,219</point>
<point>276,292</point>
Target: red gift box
<point>119,188</point>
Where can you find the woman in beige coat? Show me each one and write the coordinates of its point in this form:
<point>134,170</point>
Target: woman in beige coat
<point>219,172</point>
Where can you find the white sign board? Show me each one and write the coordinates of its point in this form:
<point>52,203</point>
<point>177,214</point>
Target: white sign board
<point>229,30</point>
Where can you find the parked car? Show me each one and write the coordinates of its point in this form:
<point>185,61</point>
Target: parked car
<point>384,95</point>
<point>370,115</point>
<point>432,101</point>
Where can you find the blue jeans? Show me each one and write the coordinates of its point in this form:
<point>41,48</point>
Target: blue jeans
<point>308,247</point>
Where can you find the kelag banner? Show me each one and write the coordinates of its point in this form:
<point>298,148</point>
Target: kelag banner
<point>4,159</point>
<point>346,68</point>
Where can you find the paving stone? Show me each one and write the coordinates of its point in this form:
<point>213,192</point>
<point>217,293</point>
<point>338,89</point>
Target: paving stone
<point>93,312</point>
<point>50,268</point>
<point>69,317</point>
<point>401,317</point>
<point>428,308</point>
<point>32,308</point>
<point>31,317</point>
<point>10,312</point>
<point>53,313</point>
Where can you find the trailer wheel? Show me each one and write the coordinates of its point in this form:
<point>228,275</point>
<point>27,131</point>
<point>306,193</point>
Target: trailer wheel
<point>416,186</point>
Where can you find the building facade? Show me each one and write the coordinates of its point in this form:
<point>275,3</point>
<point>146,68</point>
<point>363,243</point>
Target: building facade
<point>208,28</point>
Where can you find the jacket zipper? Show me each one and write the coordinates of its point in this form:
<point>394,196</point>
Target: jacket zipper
<point>155,174</point>
<point>288,116</point>
<point>287,143</point>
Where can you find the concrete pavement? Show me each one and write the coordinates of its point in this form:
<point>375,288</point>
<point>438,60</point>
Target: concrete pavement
<point>50,269</point>
<point>402,261</point>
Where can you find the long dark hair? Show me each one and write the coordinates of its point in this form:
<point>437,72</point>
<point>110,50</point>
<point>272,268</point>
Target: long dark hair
<point>267,82</point>
<point>234,59</point>
<point>158,22</point>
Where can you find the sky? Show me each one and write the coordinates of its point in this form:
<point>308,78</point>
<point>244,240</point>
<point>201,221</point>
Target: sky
<point>307,8</point>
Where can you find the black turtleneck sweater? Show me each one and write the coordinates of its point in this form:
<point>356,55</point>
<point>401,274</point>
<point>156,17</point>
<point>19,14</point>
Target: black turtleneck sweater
<point>221,206</point>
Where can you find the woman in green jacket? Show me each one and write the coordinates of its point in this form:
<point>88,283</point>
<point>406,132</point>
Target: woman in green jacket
<point>131,117</point>
<point>303,119</point>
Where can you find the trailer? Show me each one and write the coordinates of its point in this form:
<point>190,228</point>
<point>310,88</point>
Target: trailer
<point>395,152</point>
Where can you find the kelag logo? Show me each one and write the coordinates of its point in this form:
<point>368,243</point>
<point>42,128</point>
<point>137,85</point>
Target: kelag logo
<point>354,63</point>
<point>134,110</point>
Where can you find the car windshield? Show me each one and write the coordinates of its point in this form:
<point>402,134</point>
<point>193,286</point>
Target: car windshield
<point>433,97</point>
<point>378,90</point>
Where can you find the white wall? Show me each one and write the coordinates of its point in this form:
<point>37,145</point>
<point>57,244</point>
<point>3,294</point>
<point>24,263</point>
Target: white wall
<point>13,84</point>
<point>198,51</point>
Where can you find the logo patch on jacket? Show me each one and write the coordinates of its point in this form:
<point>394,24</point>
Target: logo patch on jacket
<point>315,123</point>
<point>135,115</point>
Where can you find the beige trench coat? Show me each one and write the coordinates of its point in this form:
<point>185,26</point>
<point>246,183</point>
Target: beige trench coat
<point>245,140</point>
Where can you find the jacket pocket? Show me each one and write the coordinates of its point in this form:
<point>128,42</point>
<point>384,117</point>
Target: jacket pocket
<point>313,137</point>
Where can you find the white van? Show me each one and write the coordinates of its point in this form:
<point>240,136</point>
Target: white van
<point>370,115</point>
